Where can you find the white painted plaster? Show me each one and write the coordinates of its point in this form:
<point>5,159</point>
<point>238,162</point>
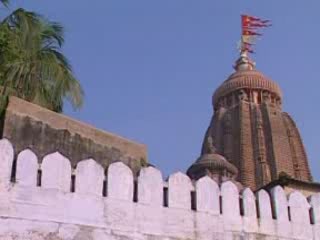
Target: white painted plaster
<point>56,172</point>
<point>179,191</point>
<point>89,178</point>
<point>27,169</point>
<point>120,182</point>
<point>208,194</point>
<point>150,187</point>
<point>52,212</point>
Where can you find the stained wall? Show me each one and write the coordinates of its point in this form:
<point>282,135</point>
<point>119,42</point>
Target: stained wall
<point>30,126</point>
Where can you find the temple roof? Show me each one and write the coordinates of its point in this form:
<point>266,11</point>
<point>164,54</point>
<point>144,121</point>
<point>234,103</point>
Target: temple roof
<point>248,78</point>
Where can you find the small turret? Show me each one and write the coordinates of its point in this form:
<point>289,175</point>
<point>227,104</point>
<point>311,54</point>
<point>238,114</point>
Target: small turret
<point>213,165</point>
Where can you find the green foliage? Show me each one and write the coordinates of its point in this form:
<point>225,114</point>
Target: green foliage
<point>32,64</point>
<point>5,2</point>
<point>143,162</point>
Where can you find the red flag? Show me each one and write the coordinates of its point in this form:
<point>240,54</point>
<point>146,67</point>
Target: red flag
<point>249,21</point>
<point>250,26</point>
<point>255,25</point>
<point>250,33</point>
<point>247,18</point>
<point>265,21</point>
<point>250,18</point>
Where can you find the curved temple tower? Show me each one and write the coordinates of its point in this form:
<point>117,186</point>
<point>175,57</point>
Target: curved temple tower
<point>251,131</point>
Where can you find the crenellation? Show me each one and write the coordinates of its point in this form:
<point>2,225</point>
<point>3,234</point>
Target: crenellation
<point>56,172</point>
<point>264,205</point>
<point>300,215</point>
<point>207,196</point>
<point>88,213</point>
<point>299,208</point>
<point>265,219</point>
<point>231,206</point>
<point>280,204</point>
<point>27,169</point>
<point>89,178</point>
<point>150,187</point>
<point>281,211</point>
<point>6,162</point>
<point>314,201</point>
<point>120,182</point>
<point>179,190</point>
<point>249,210</point>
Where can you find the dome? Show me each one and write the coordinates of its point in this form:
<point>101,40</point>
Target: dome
<point>247,79</point>
<point>213,162</point>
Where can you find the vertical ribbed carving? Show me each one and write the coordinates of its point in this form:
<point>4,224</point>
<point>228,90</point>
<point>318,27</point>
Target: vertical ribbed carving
<point>262,167</point>
<point>299,156</point>
<point>236,137</point>
<point>215,131</point>
<point>293,148</point>
<point>247,165</point>
<point>268,138</point>
<point>250,130</point>
<point>278,141</point>
<point>227,136</point>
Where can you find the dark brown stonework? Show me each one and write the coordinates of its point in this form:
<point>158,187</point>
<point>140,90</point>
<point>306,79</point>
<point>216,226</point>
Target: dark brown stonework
<point>250,130</point>
<point>247,164</point>
<point>29,126</point>
<point>300,160</point>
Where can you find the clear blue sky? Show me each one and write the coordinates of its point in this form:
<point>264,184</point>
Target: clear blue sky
<point>149,67</point>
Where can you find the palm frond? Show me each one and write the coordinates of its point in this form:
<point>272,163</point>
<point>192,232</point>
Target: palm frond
<point>52,34</point>
<point>40,72</point>
<point>5,2</point>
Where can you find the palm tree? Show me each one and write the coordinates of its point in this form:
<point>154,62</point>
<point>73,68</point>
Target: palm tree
<point>35,67</point>
<point>5,2</point>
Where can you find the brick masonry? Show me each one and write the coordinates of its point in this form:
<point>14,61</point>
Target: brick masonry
<point>262,141</point>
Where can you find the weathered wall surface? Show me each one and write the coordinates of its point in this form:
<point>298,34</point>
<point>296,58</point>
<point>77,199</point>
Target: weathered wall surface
<point>141,210</point>
<point>30,126</point>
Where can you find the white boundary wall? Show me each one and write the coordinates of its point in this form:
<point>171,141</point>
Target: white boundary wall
<point>52,212</point>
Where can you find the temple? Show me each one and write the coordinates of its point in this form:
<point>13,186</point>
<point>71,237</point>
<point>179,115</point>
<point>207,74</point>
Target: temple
<point>250,139</point>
